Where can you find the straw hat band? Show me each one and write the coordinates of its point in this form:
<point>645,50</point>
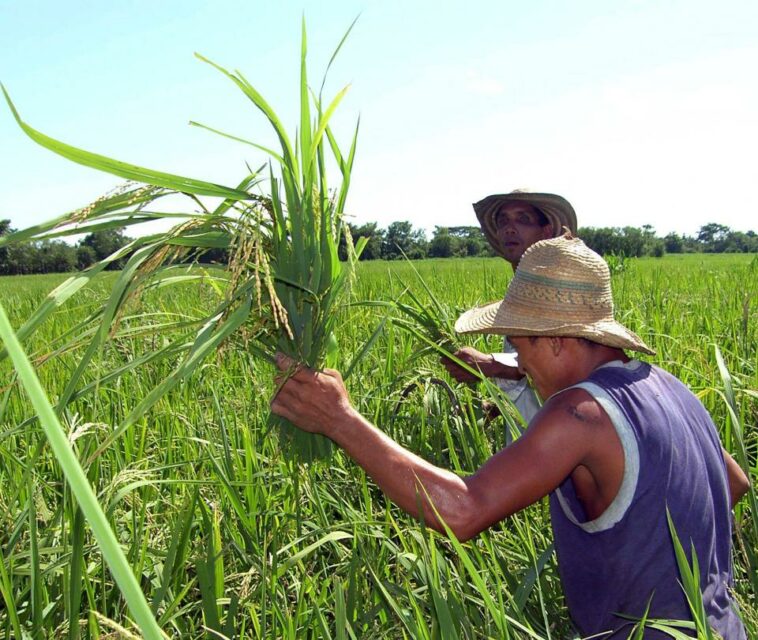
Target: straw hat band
<point>517,315</point>
<point>558,298</point>
<point>566,311</point>
<point>593,288</point>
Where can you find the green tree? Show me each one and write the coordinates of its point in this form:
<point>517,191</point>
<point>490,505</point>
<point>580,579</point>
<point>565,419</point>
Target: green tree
<point>442,244</point>
<point>85,256</point>
<point>401,238</point>
<point>23,258</point>
<point>740,242</point>
<point>713,237</point>
<point>104,243</point>
<point>603,240</point>
<point>472,241</point>
<point>673,243</point>
<point>5,229</point>
<point>373,248</point>
<point>633,242</point>
<point>56,257</point>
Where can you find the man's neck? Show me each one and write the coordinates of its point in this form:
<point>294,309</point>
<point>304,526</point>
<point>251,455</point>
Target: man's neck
<point>599,355</point>
<point>579,360</point>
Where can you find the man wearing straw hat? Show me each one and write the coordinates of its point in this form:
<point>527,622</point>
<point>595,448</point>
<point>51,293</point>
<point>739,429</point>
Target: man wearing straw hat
<point>619,446</point>
<point>512,222</point>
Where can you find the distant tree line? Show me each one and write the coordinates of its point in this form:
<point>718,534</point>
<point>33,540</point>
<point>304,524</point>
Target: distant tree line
<point>449,242</point>
<point>397,240</point>
<point>56,256</point>
<point>634,242</point>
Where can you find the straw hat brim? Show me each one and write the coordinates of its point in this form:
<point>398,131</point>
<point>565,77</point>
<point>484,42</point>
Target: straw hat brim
<point>496,318</point>
<point>556,209</point>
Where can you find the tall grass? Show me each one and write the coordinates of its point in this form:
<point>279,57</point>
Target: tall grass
<point>227,537</point>
<point>64,452</point>
<point>283,281</point>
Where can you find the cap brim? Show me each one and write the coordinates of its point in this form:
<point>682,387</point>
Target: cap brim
<point>556,209</point>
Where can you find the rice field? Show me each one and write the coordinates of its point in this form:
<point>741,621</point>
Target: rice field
<point>229,538</point>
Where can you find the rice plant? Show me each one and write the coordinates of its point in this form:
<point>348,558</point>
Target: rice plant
<point>283,280</point>
<point>228,539</point>
<point>159,379</point>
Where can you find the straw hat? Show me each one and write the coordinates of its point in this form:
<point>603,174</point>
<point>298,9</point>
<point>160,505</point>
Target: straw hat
<point>556,209</point>
<point>561,288</point>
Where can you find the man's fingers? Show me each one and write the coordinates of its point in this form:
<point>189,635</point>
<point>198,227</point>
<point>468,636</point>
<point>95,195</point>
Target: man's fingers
<point>284,362</point>
<point>283,410</point>
<point>285,395</point>
<point>278,407</point>
<point>293,369</point>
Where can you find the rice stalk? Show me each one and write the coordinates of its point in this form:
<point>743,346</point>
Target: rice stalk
<point>85,496</point>
<point>284,283</point>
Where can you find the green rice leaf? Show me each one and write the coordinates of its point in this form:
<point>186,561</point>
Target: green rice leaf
<point>80,487</point>
<point>122,169</point>
<point>270,152</point>
<point>258,100</point>
<point>333,537</point>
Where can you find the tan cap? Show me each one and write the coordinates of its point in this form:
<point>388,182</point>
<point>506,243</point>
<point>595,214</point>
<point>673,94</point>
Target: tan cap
<point>555,208</point>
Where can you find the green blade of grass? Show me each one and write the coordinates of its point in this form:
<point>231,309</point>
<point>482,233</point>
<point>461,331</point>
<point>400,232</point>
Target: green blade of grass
<point>34,559</point>
<point>332,537</point>
<point>689,575</point>
<point>306,140</point>
<point>174,555</point>
<point>76,571</point>
<point>6,591</point>
<point>122,169</point>
<point>55,299</point>
<point>208,339</point>
<point>124,202</point>
<point>267,150</point>
<point>85,496</point>
<point>258,100</point>
<point>323,122</point>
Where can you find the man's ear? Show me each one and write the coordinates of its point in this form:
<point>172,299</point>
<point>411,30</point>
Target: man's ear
<point>547,231</point>
<point>556,344</point>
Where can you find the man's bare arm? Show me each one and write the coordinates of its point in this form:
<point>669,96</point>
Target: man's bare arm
<point>511,480</point>
<point>739,484</point>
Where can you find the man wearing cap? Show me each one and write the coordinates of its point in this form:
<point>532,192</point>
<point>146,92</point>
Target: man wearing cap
<point>512,222</point>
<point>618,446</point>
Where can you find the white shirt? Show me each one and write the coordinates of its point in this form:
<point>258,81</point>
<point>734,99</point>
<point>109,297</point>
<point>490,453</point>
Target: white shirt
<point>519,392</point>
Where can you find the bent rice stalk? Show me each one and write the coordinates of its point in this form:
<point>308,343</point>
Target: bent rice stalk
<point>280,275</point>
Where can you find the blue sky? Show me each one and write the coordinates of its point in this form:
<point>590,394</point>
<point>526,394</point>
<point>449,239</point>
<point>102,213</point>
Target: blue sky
<point>639,112</point>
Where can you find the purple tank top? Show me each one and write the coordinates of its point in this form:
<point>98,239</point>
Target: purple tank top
<point>615,563</point>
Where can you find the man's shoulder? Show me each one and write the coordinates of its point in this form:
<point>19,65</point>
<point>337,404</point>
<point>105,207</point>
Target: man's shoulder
<point>571,422</point>
<point>574,406</point>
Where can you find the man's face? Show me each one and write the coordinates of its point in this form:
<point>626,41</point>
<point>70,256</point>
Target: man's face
<point>518,228</point>
<point>537,360</point>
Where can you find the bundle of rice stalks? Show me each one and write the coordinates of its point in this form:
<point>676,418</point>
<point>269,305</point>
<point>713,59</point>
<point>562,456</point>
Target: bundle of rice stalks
<point>282,281</point>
